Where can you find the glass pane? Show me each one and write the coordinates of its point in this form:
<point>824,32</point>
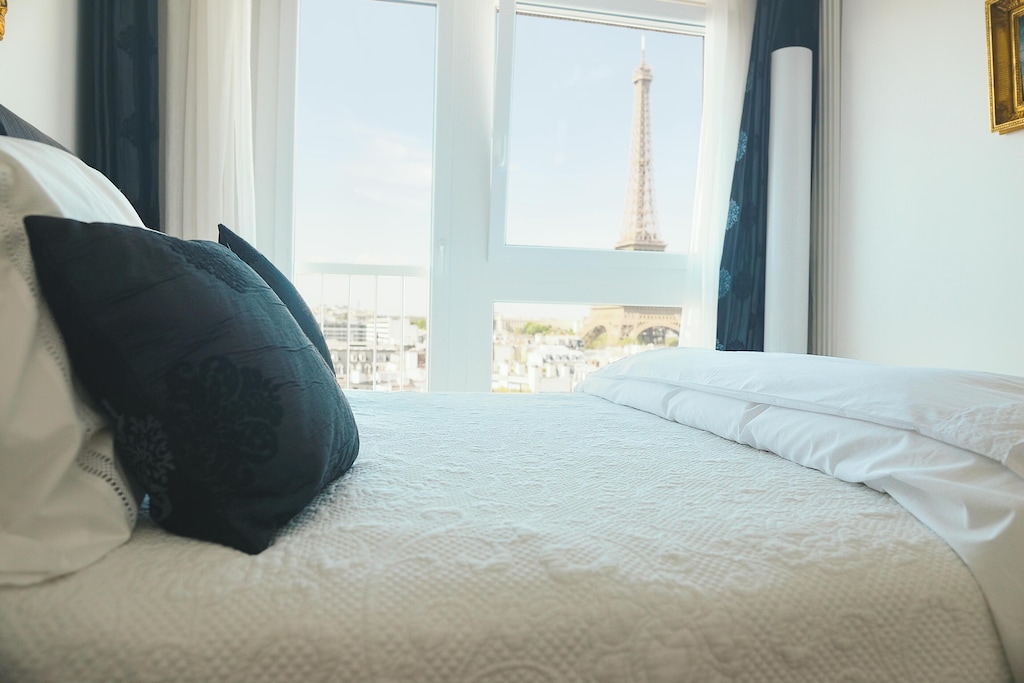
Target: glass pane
<point>553,347</point>
<point>375,328</point>
<point>364,131</point>
<point>593,114</point>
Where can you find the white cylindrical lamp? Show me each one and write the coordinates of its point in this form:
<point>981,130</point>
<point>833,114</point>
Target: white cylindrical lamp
<point>787,256</point>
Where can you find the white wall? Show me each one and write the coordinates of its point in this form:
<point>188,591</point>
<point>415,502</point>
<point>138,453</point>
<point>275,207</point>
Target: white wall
<point>930,269</point>
<point>39,67</point>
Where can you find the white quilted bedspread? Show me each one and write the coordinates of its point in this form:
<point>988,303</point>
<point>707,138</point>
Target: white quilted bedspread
<point>529,539</point>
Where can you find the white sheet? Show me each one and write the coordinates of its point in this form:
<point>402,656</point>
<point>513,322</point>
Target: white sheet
<point>977,411</point>
<point>946,444</point>
<point>536,538</point>
<point>64,501</point>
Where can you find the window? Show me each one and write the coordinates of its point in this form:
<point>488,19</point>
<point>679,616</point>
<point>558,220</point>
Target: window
<point>512,218</point>
<point>364,130</point>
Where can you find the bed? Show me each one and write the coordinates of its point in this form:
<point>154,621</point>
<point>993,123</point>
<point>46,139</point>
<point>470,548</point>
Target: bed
<point>689,515</point>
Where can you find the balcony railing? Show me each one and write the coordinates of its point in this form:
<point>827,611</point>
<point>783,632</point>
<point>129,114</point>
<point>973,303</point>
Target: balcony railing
<point>364,357</point>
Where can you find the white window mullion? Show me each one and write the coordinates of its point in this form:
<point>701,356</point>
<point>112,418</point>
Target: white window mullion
<point>438,325</point>
<point>676,15</point>
<point>459,324</point>
<point>503,57</point>
<point>585,284</point>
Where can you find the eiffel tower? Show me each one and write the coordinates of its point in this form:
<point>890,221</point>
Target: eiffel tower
<point>639,230</point>
<point>640,223</point>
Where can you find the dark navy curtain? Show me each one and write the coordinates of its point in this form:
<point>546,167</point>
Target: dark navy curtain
<point>119,117</point>
<point>777,24</point>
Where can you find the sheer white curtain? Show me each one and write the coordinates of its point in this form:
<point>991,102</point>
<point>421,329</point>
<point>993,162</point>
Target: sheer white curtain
<point>207,124</point>
<point>228,104</point>
<point>730,25</point>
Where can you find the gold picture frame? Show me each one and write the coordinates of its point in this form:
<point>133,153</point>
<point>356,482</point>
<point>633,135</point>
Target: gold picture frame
<point>1004,23</point>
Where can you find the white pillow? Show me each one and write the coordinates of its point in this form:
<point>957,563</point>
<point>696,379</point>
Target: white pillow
<point>64,501</point>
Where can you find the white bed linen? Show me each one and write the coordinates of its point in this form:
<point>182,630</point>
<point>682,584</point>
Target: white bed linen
<point>536,538</point>
<point>981,412</point>
<point>64,501</point>
<point>948,445</point>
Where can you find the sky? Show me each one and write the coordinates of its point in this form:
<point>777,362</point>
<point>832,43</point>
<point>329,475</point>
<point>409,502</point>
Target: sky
<point>364,130</point>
